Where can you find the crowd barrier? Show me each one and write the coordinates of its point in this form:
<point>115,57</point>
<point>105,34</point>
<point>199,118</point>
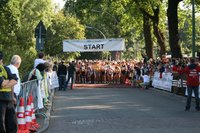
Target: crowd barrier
<point>167,82</point>
<point>39,91</point>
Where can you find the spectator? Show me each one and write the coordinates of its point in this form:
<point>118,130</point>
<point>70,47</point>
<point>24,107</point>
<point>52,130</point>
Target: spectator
<point>161,69</point>
<point>145,81</point>
<point>39,59</point>
<point>55,67</point>
<point>192,71</point>
<point>37,73</point>
<point>62,72</point>
<point>8,119</point>
<point>14,66</point>
<point>71,70</point>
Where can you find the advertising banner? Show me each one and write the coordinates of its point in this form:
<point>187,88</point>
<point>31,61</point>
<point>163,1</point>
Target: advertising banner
<point>164,83</point>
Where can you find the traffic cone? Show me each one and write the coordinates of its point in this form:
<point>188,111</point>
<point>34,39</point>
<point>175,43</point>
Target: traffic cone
<point>28,115</point>
<point>21,117</point>
<point>34,122</point>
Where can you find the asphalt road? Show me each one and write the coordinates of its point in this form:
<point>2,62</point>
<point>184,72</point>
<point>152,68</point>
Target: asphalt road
<point>121,110</point>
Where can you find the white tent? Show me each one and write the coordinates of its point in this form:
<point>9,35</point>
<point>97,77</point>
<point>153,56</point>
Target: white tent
<point>94,45</point>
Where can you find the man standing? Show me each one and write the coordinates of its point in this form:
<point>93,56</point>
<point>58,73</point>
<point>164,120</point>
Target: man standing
<point>8,119</point>
<point>192,71</point>
<point>71,70</point>
<point>62,72</point>
<point>14,66</point>
<point>55,67</point>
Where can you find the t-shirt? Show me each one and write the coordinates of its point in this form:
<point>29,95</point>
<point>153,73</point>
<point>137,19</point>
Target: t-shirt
<point>14,70</point>
<point>192,72</point>
<point>146,78</point>
<point>38,61</point>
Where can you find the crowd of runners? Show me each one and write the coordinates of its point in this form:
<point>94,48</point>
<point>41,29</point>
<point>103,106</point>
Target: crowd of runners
<point>119,72</point>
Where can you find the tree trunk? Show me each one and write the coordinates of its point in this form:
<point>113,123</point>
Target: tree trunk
<point>157,32</point>
<point>173,28</point>
<point>147,36</point>
<point>160,39</point>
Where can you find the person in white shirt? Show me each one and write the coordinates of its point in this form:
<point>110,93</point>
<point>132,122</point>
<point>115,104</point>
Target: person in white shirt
<point>146,80</point>
<point>39,60</point>
<point>14,66</point>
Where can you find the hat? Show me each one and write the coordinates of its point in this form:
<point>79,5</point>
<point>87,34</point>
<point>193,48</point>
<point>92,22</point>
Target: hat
<point>1,55</point>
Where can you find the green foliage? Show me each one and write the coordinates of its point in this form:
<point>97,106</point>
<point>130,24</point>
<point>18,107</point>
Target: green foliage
<point>62,27</point>
<point>116,18</point>
<point>185,28</point>
<point>18,20</point>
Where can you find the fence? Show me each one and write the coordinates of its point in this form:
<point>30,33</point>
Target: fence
<point>40,91</point>
<point>168,82</point>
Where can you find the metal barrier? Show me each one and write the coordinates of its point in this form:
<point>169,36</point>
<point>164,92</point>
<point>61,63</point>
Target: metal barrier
<point>29,88</point>
<point>41,90</point>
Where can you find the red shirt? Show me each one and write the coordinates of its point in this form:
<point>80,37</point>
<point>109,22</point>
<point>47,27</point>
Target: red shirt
<point>192,72</point>
<point>177,69</point>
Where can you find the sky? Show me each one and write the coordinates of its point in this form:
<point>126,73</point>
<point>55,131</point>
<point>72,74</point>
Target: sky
<point>59,2</point>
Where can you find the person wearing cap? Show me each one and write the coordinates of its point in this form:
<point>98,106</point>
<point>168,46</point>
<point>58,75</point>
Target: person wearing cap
<point>8,119</point>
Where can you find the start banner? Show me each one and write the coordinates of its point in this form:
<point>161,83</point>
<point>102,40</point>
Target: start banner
<point>94,45</point>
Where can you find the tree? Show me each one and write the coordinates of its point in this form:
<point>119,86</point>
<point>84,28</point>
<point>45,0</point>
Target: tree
<point>148,36</point>
<point>110,17</point>
<point>62,27</point>
<point>151,10</point>
<point>173,28</point>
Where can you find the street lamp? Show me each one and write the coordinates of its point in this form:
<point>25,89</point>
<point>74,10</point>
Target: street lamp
<point>89,27</point>
<point>193,28</point>
<point>93,10</point>
<point>113,53</point>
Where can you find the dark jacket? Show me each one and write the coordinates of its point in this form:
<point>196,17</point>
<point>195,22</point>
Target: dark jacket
<point>71,69</point>
<point>62,70</point>
<point>7,96</point>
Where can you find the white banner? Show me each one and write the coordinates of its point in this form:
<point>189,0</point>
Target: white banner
<point>54,80</point>
<point>94,45</point>
<point>164,83</point>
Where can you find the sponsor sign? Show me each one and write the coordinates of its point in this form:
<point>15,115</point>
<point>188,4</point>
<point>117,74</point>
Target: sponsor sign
<point>164,83</point>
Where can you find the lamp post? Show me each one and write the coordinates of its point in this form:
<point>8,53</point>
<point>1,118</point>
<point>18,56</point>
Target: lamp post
<point>89,27</point>
<point>117,32</point>
<point>93,10</point>
<point>193,28</point>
